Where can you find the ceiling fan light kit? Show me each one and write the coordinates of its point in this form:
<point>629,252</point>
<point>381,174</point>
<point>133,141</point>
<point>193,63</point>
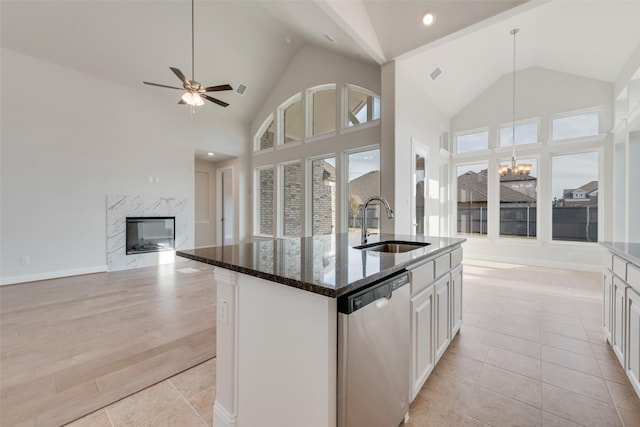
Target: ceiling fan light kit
<point>194,92</point>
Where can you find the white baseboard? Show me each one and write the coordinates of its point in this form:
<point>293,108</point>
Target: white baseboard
<point>12,280</point>
<point>222,417</point>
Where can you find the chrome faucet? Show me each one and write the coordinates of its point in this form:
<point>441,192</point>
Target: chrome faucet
<point>382,201</point>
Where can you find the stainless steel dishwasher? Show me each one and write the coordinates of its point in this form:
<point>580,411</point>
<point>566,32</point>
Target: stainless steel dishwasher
<point>373,354</point>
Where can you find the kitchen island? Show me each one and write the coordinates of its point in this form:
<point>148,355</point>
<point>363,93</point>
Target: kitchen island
<point>277,338</point>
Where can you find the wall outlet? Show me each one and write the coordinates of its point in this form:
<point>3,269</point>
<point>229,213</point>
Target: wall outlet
<point>25,260</point>
<point>223,311</point>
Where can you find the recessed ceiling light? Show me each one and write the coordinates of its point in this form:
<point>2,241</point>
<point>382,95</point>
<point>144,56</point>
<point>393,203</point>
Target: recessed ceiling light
<point>210,153</point>
<point>428,19</point>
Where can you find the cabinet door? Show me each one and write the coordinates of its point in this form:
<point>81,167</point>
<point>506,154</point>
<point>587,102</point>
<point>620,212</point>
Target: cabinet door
<point>608,300</point>
<point>456,299</point>
<point>422,354</point>
<point>618,317</point>
<point>442,326</point>
<point>633,359</point>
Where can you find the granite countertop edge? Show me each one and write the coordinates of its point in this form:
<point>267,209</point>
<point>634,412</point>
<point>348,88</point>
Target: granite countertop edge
<point>316,288</point>
<point>615,247</point>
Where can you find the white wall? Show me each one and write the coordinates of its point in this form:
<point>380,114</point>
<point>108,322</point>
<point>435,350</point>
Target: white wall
<point>417,121</point>
<point>540,93</point>
<point>68,140</point>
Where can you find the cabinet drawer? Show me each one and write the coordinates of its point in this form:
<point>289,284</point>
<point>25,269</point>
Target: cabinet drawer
<point>443,264</point>
<point>456,257</point>
<point>633,277</point>
<point>619,267</point>
<point>421,276</point>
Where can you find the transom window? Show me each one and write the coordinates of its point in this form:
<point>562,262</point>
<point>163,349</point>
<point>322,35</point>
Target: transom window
<point>291,120</point>
<point>575,126</point>
<point>362,106</point>
<point>266,136</point>
<point>323,109</point>
<point>475,141</point>
<point>526,133</point>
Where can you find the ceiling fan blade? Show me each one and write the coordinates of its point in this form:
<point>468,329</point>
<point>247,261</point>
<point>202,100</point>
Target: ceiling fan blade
<point>181,101</point>
<point>169,87</point>
<point>218,88</point>
<point>181,76</point>
<point>214,100</point>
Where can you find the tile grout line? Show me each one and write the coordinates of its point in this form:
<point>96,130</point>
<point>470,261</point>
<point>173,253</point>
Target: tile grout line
<point>187,402</point>
<point>109,416</point>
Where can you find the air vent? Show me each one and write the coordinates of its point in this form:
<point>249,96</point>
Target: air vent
<point>435,73</point>
<point>241,89</point>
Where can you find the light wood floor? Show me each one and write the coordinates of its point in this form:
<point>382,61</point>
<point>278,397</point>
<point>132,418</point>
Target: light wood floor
<point>70,346</point>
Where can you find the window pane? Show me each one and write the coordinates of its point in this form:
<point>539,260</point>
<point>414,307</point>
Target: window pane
<point>472,199</point>
<point>268,137</point>
<point>526,133</point>
<point>324,111</point>
<point>364,183</point>
<point>574,183</point>
<point>518,197</point>
<point>265,193</point>
<point>587,124</point>
<point>291,199</point>
<point>362,107</point>
<point>323,193</point>
<point>292,123</point>
<point>472,142</point>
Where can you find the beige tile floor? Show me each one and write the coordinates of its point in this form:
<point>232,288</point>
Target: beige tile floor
<point>531,352</point>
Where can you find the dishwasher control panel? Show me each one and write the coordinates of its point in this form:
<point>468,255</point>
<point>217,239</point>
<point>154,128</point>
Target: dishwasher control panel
<point>382,289</point>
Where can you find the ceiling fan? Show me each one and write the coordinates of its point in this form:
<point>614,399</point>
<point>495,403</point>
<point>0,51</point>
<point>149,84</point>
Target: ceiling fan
<point>194,91</point>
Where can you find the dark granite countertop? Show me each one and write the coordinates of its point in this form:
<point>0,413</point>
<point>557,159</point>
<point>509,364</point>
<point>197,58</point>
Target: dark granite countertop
<point>327,265</point>
<point>626,250</point>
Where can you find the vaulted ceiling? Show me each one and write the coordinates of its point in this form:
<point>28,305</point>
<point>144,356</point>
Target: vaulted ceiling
<point>251,42</point>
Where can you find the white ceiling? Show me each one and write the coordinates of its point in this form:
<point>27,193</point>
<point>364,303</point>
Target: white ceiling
<point>252,41</point>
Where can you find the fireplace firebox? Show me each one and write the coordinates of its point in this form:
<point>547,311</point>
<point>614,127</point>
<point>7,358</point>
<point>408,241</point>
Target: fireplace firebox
<point>150,234</point>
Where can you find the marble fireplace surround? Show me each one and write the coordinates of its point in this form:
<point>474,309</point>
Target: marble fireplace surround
<point>119,207</point>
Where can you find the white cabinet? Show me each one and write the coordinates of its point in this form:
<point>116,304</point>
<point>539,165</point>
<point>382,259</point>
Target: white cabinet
<point>456,299</point>
<point>633,341</point>
<point>436,312</point>
<point>608,294</point>
<point>443,329</point>
<point>618,318</point>
<point>423,355</point>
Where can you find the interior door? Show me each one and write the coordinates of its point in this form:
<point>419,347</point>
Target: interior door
<point>419,198</point>
<point>226,210</point>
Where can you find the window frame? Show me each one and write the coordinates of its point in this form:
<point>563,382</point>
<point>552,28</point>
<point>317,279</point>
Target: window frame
<point>256,201</point>
<point>261,130</point>
<point>310,92</point>
<point>345,106</point>
<point>472,132</point>
<point>572,113</point>
<point>281,117</point>
<point>508,125</point>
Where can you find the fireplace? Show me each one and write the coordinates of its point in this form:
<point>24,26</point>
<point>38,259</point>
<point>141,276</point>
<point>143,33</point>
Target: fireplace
<point>150,234</point>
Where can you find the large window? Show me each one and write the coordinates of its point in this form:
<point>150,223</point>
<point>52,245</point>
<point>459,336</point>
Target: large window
<point>291,198</point>
<point>267,135</point>
<point>472,199</point>
<point>526,133</point>
<point>518,202</point>
<point>323,196</point>
<point>265,187</point>
<point>475,141</point>
<point>291,115</point>
<point>575,126</point>
<point>364,183</point>
<point>323,109</point>
<point>575,197</point>
<point>362,106</point>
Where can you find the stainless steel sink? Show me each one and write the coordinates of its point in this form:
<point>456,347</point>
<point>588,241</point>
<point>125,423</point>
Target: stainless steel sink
<point>392,246</point>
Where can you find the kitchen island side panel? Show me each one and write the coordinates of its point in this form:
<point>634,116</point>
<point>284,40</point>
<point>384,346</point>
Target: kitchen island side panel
<point>284,355</point>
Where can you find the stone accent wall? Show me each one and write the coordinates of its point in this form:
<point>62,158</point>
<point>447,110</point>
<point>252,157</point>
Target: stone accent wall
<point>292,199</point>
<point>267,193</point>
<point>323,198</point>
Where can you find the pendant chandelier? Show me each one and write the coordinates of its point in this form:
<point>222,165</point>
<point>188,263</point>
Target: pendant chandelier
<point>523,169</point>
